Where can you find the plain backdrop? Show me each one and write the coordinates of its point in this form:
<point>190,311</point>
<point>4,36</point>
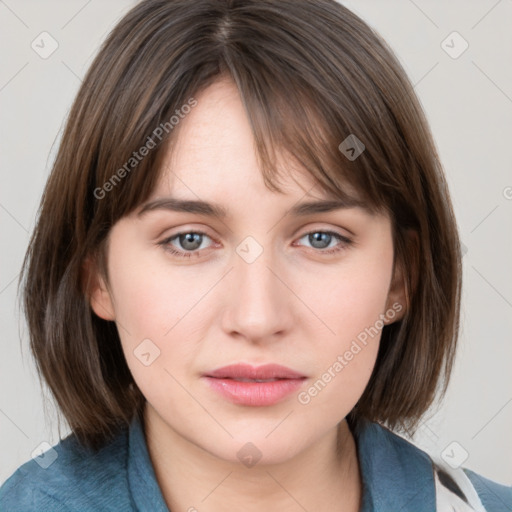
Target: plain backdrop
<point>468,101</point>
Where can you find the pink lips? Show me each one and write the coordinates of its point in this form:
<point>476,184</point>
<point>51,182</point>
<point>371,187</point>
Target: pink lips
<point>281,382</point>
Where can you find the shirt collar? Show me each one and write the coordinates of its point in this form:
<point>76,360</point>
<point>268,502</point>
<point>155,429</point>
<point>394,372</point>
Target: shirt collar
<point>397,476</point>
<point>141,476</point>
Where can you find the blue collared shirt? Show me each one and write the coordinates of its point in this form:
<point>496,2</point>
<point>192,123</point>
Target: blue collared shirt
<point>397,477</point>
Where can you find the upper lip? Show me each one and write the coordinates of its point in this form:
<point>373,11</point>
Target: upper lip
<point>246,371</point>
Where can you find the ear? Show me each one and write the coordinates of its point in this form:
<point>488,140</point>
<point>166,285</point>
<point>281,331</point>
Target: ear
<point>398,300</point>
<point>96,291</point>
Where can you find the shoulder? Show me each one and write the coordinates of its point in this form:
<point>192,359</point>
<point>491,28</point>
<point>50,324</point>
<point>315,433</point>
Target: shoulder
<point>495,496</point>
<point>461,483</point>
<point>69,477</point>
<point>395,467</point>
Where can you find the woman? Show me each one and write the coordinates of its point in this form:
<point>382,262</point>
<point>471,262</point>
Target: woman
<point>246,271</point>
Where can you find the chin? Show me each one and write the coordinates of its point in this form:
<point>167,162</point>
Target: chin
<point>254,450</point>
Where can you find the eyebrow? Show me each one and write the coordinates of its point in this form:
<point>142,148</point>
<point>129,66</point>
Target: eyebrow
<point>220,212</point>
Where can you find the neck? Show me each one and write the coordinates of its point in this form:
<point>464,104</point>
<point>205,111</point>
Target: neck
<point>324,477</point>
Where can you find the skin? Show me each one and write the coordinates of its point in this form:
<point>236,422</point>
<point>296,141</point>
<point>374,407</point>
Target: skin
<point>294,305</point>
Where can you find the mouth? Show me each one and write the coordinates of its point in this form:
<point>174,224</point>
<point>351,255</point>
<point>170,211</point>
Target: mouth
<point>246,373</point>
<point>243,384</point>
<point>249,380</point>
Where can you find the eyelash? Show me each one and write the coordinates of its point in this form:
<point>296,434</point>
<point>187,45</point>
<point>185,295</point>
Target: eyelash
<point>188,254</point>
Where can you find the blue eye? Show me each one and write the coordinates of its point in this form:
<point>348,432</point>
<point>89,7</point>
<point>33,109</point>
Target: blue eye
<point>190,242</point>
<point>321,240</point>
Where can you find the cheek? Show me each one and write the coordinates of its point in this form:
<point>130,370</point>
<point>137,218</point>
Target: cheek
<point>150,296</point>
<point>351,306</point>
<point>144,307</point>
<point>344,363</point>
<point>159,312</point>
<point>350,299</point>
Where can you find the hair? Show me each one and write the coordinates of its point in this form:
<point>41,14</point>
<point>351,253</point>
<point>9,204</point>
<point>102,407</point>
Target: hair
<point>310,73</point>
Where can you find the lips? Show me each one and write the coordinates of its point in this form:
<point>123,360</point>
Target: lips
<point>246,373</point>
<point>243,384</point>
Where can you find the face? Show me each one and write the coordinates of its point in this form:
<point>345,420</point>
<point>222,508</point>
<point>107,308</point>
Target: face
<point>191,293</point>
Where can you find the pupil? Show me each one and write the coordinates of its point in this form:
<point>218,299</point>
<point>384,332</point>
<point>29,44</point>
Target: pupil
<point>320,238</point>
<point>190,241</point>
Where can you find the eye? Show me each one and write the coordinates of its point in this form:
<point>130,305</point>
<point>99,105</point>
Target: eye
<point>322,241</point>
<point>189,243</point>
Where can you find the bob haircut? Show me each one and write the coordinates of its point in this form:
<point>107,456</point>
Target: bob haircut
<point>310,73</point>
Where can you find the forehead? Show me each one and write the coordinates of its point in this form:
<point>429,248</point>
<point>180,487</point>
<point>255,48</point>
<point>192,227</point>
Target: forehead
<point>213,155</point>
<point>217,189</point>
<point>214,144</point>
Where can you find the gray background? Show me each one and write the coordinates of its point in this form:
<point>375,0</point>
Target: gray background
<point>468,101</point>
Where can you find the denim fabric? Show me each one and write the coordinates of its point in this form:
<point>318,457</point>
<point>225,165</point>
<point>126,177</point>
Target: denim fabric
<point>397,477</point>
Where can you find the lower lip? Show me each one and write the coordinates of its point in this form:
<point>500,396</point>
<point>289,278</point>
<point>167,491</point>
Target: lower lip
<point>254,393</point>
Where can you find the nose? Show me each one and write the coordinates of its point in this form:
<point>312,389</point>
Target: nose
<point>258,305</point>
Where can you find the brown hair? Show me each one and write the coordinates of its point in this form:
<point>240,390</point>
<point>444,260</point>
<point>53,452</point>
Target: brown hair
<point>310,73</point>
